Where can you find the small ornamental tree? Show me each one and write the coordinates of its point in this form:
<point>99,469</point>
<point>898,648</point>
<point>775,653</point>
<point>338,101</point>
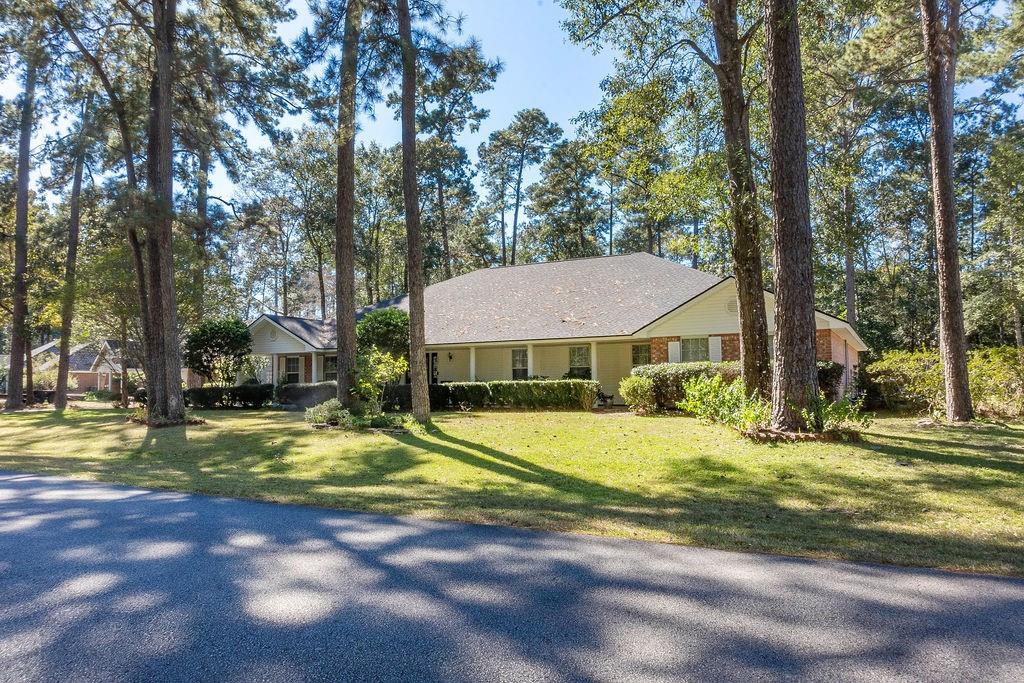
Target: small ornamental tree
<point>387,330</point>
<point>215,348</point>
<point>377,369</point>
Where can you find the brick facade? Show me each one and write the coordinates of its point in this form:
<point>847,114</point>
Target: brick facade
<point>730,346</point>
<point>659,348</point>
<point>823,344</point>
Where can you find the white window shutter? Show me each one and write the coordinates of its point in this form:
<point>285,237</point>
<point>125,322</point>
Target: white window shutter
<point>715,349</point>
<point>302,369</point>
<point>674,353</point>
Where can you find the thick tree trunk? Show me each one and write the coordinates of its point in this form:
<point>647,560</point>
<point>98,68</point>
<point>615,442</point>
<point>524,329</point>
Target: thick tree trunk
<point>941,36</point>
<point>169,405</point>
<point>15,376</point>
<point>30,389</point>
<point>746,246</point>
<point>344,243</point>
<point>60,399</point>
<point>795,382</point>
<point>442,213</point>
<point>410,193</point>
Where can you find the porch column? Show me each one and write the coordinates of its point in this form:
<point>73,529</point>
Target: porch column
<point>529,361</point>
<point>593,360</point>
<point>315,371</point>
<point>472,363</point>
<point>273,369</point>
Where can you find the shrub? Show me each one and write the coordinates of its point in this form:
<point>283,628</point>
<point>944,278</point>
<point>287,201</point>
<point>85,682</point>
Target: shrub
<point>574,394</point>
<point>712,398</point>
<point>307,395</point>
<point>209,397</point>
<point>638,393</point>
<point>830,376</point>
<point>386,329</point>
<point>98,395</point>
<point>215,348</point>
<point>670,378</point>
<point>253,395</point>
<point>398,397</point>
<point>140,396</point>
<point>914,380</point>
<point>469,394</point>
<point>330,412</point>
<point>46,380</point>
<point>376,370</point>
<point>836,416</point>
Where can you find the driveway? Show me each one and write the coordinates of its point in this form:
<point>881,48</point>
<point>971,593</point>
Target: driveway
<point>103,582</point>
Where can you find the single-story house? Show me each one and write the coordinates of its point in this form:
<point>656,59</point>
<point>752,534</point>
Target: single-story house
<point>599,316</point>
<point>95,365</point>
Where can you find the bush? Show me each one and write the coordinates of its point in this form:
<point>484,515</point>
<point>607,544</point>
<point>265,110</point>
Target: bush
<point>386,329</point>
<point>215,348</point>
<point>469,394</point>
<point>712,398</point>
<point>836,416</point>
<point>140,396</point>
<point>398,397</point>
<point>209,397</point>
<point>330,412</point>
<point>913,380</point>
<point>638,393</point>
<point>574,394</point>
<point>253,395</point>
<point>46,380</point>
<point>670,378</point>
<point>830,376</point>
<point>307,395</point>
<point>99,395</point>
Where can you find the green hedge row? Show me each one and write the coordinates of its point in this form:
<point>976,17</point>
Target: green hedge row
<point>913,380</point>
<point>670,379</point>
<point>307,395</point>
<point>573,394</point>
<point>244,395</point>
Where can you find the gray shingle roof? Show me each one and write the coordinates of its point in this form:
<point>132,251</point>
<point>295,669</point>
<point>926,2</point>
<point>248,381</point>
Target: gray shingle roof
<point>595,297</point>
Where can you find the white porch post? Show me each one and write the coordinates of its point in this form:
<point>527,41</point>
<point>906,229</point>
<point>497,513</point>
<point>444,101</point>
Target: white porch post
<point>593,360</point>
<point>315,371</point>
<point>273,369</point>
<point>529,361</point>
<point>472,363</point>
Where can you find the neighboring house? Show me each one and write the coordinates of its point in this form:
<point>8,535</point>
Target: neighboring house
<point>596,317</point>
<point>95,365</point>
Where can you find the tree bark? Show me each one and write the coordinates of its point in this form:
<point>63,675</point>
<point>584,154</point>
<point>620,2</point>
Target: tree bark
<point>203,226</point>
<point>443,216</point>
<point>344,243</point>
<point>746,246</point>
<point>168,404</point>
<point>30,389</point>
<point>410,194</point>
<point>124,363</point>
<point>515,210</point>
<point>941,36</point>
<point>795,382</point>
<point>15,373</point>
<point>60,399</point>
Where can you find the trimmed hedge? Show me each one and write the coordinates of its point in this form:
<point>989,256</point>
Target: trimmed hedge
<point>244,395</point>
<point>573,394</point>
<point>830,376</point>
<point>307,395</point>
<point>670,378</point>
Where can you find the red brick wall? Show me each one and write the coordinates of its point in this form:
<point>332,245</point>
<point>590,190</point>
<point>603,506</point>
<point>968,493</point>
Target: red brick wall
<point>823,342</point>
<point>659,348</point>
<point>730,346</point>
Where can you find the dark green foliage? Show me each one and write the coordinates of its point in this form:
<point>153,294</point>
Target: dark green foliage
<point>306,395</point>
<point>573,394</point>
<point>216,347</point>
<point>99,395</point>
<point>398,397</point>
<point>387,329</point>
<point>638,393</point>
<point>469,394</point>
<point>830,376</point>
<point>208,397</point>
<point>253,395</point>
<point>670,378</point>
<point>242,396</point>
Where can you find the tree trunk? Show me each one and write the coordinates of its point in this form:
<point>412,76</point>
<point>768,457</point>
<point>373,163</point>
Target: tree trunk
<point>30,389</point>
<point>60,399</point>
<point>746,245</point>
<point>515,210</point>
<point>344,243</point>
<point>417,343</point>
<point>504,239</point>
<point>941,36</point>
<point>169,405</point>
<point>322,285</point>
<point>124,363</point>
<point>795,382</point>
<point>443,215</point>
<point>203,227</point>
<point>15,376</point>
<point>611,217</point>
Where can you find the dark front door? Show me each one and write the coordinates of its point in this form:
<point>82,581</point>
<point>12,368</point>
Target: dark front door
<point>432,367</point>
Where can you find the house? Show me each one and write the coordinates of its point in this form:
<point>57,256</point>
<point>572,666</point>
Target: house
<point>596,317</point>
<point>95,365</point>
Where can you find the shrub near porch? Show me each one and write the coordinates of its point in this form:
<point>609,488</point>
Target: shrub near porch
<point>911,495</point>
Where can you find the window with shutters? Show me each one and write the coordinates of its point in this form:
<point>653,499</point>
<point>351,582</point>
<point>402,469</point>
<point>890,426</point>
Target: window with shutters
<point>693,349</point>
<point>331,368</point>
<point>641,354</point>
<point>291,370</point>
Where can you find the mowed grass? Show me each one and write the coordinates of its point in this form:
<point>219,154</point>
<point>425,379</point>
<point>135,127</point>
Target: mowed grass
<point>932,496</point>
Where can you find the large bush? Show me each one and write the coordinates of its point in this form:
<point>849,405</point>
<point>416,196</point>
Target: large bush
<point>670,378</point>
<point>913,380</point>
<point>330,412</point>
<point>638,393</point>
<point>712,398</point>
<point>386,329</point>
<point>830,377</point>
<point>469,394</point>
<point>306,395</point>
<point>575,394</point>
<point>209,397</point>
<point>398,397</point>
<point>253,395</point>
<point>215,348</point>
<point>46,380</point>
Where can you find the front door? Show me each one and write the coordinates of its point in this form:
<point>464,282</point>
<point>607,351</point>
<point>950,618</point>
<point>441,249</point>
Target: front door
<point>432,367</point>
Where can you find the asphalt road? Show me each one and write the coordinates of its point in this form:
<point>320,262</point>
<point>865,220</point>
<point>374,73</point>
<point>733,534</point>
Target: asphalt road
<point>108,583</point>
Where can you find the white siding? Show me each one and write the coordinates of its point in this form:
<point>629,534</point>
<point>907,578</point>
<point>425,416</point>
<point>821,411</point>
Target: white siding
<point>614,362</point>
<point>493,363</point>
<point>267,338</point>
<point>714,313</point>
<point>455,369</point>
<point>550,361</point>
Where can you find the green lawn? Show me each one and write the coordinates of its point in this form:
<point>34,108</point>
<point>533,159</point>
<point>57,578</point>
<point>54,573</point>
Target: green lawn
<point>911,495</point>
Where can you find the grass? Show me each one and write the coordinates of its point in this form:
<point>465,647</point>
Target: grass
<point>930,496</point>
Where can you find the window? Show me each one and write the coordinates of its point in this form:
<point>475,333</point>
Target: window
<point>579,362</point>
<point>291,370</point>
<point>520,364</point>
<point>693,349</point>
<point>330,368</point>
<point>641,354</point>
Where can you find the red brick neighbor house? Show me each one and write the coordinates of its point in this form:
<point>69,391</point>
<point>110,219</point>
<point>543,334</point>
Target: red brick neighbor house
<point>601,316</point>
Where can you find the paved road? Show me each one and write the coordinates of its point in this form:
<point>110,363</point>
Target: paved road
<point>102,582</point>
